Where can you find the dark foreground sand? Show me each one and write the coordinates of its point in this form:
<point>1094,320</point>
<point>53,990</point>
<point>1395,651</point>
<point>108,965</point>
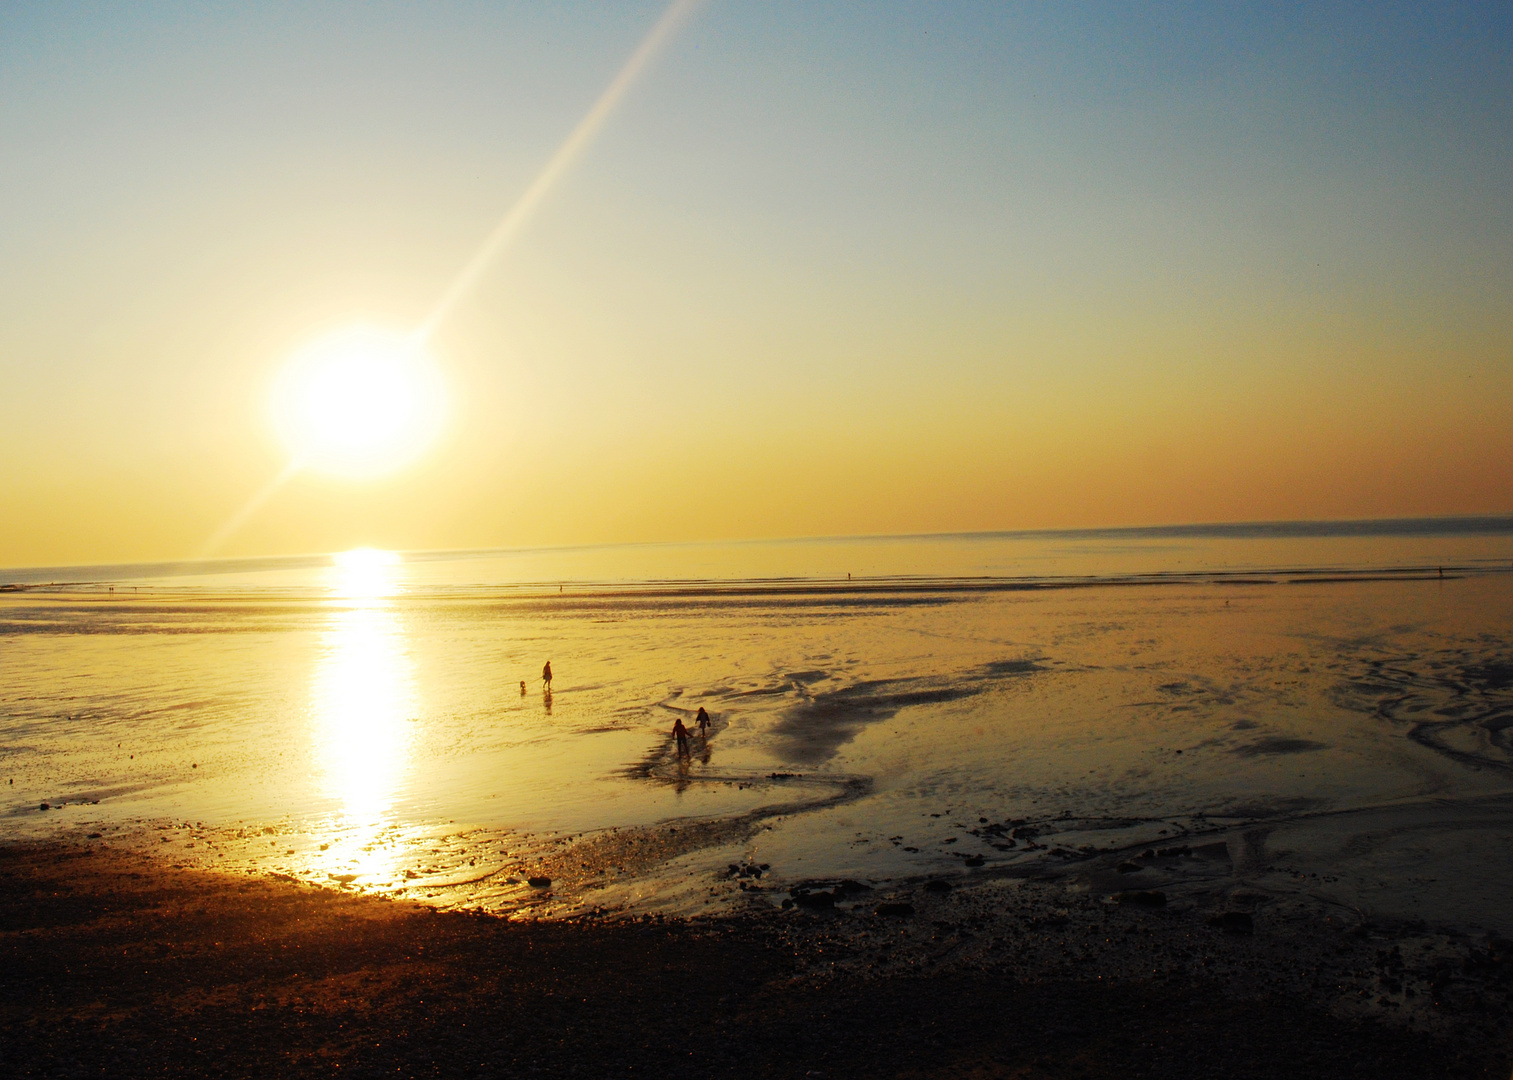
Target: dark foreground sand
<point>114,965</point>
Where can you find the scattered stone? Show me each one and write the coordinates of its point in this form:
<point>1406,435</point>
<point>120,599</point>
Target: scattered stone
<point>44,806</point>
<point>94,836</point>
<point>1233,922</point>
<point>938,886</point>
<point>815,901</point>
<point>1130,868</point>
<point>895,908</point>
<point>539,882</point>
<point>1172,852</point>
<point>850,888</point>
<point>1140,898</point>
<point>975,860</point>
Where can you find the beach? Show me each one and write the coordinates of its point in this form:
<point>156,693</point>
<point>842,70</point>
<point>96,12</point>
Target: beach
<point>1224,820</point>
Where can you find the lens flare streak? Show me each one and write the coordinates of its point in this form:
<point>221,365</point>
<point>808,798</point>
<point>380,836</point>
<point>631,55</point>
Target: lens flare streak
<point>678,13</point>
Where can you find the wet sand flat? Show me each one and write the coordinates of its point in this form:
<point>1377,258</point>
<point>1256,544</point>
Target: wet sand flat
<point>117,965</point>
<point>1345,742</point>
<point>1201,824</point>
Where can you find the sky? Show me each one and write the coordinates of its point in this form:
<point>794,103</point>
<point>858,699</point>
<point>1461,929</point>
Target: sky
<point>826,269</point>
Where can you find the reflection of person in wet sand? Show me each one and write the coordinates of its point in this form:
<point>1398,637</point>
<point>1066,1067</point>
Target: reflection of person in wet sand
<point>546,699</point>
<point>702,722</point>
<point>546,676</point>
<point>680,733</point>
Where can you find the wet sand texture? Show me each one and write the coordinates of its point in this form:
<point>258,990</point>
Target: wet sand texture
<point>117,966</point>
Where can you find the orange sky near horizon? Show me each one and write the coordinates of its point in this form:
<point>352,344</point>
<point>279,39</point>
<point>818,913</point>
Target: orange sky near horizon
<point>946,270</point>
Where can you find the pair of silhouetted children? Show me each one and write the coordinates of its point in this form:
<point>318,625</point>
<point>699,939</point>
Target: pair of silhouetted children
<point>680,733</point>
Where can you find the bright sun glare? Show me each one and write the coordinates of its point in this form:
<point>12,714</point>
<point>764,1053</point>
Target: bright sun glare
<point>359,403</point>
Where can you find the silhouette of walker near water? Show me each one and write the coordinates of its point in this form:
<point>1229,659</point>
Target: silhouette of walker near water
<point>680,733</point>
<point>546,676</point>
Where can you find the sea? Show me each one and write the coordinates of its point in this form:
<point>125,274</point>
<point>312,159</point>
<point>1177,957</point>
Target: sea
<point>1319,706</point>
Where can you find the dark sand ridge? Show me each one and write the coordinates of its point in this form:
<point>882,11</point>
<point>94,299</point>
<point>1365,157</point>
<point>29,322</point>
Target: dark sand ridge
<point>1303,890</point>
<point>118,966</point>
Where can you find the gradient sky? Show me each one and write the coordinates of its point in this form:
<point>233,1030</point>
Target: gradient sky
<point>828,269</point>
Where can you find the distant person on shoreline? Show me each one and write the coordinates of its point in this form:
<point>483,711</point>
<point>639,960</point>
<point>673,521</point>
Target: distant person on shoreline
<point>546,676</point>
<point>680,733</point>
<point>702,722</point>
<point>522,688</point>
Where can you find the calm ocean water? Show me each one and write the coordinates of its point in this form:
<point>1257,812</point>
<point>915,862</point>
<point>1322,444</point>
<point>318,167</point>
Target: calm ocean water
<point>360,719</point>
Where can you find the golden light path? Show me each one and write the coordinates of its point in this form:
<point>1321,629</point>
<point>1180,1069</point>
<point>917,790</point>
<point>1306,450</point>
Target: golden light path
<point>363,697</point>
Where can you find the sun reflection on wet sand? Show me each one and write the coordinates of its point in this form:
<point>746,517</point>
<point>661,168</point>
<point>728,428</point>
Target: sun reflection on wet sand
<point>363,698</point>
<point>363,574</point>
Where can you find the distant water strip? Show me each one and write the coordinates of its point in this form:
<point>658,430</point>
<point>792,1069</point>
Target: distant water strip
<point>1395,548</point>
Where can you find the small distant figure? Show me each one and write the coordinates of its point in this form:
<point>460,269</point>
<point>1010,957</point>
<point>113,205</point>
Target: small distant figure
<point>546,676</point>
<point>702,722</point>
<point>680,733</point>
<point>522,688</point>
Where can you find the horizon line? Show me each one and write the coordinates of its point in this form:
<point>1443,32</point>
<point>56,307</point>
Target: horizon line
<point>1299,528</point>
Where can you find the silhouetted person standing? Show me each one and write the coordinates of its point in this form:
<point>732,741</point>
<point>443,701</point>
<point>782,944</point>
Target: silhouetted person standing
<point>546,676</point>
<point>680,733</point>
<point>702,722</point>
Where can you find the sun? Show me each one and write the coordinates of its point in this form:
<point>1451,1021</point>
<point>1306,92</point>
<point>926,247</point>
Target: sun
<point>360,402</point>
